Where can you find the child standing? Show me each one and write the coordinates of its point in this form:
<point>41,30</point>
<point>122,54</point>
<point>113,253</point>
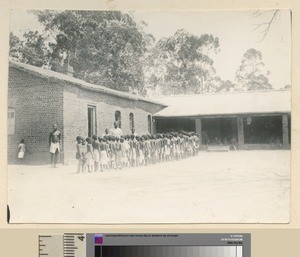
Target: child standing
<point>127,151</point>
<point>133,148</point>
<point>103,153</point>
<point>141,151</point>
<point>21,151</point>
<point>113,152</point>
<point>124,152</point>
<point>78,153</point>
<point>89,155</point>
<point>95,144</point>
<point>147,149</point>
<point>83,154</point>
<point>109,151</point>
<point>118,154</point>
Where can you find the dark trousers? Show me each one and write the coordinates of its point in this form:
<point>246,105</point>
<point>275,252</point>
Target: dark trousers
<point>54,158</point>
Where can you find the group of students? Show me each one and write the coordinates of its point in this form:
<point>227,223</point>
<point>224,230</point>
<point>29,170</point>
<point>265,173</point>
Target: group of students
<point>116,152</point>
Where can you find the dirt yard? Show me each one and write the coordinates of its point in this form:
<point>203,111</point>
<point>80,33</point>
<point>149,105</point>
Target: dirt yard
<point>238,187</point>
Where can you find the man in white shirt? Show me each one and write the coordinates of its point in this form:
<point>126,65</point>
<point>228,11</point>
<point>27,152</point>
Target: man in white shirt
<point>116,131</point>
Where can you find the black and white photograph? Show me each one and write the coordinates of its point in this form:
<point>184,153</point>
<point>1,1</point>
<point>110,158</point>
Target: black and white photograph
<point>149,117</point>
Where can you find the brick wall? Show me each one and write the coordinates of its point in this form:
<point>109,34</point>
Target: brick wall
<point>76,101</point>
<point>41,102</point>
<point>38,105</point>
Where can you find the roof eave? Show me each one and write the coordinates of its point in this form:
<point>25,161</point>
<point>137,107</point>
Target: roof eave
<point>82,85</point>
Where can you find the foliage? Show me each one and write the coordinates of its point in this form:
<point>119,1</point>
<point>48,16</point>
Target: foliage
<point>109,48</point>
<point>180,64</point>
<point>269,18</point>
<point>32,50</point>
<point>217,85</point>
<point>252,74</point>
<point>103,47</point>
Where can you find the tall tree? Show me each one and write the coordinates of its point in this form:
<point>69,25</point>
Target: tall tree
<point>252,74</point>
<point>181,63</point>
<point>15,44</point>
<point>31,50</point>
<point>103,47</point>
<point>265,18</point>
<point>217,85</point>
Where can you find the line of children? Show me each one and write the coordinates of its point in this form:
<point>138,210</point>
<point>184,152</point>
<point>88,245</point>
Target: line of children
<point>109,152</point>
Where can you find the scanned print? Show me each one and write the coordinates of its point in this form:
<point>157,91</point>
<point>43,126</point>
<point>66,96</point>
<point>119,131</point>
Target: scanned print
<point>149,117</point>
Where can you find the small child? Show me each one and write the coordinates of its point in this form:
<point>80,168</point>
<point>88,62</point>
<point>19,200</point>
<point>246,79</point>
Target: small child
<point>127,150</point>
<point>118,153</point>
<point>147,150</point>
<point>113,152</point>
<point>78,153</point>
<point>109,152</point>
<point>89,154</point>
<point>21,150</point>
<point>83,149</point>
<point>167,148</point>
<point>103,153</point>
<point>95,144</point>
<point>141,148</point>
<point>133,149</point>
<point>124,151</point>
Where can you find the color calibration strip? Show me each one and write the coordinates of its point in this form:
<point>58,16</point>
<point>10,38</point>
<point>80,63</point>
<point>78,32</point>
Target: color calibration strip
<point>51,245</point>
<point>145,245</point>
<point>168,251</point>
<point>66,245</point>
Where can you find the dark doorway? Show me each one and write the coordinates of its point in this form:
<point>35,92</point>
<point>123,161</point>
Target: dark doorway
<point>149,124</point>
<point>219,131</point>
<point>175,125</point>
<point>118,118</point>
<point>131,121</point>
<point>289,128</point>
<point>263,130</point>
<point>91,121</point>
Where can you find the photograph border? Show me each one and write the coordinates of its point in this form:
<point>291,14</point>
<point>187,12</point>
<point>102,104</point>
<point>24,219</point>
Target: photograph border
<point>167,5</point>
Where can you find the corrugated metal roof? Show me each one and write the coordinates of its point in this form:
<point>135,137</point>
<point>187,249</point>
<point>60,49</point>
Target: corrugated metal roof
<point>49,74</point>
<point>272,101</point>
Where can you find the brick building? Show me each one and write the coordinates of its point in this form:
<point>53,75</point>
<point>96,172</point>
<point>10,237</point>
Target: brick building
<point>251,120</point>
<point>38,98</point>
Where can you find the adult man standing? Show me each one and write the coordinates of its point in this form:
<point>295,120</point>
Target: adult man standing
<point>116,131</point>
<point>54,141</point>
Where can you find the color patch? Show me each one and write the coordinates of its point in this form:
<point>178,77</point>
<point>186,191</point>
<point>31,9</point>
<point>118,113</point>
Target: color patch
<point>98,239</point>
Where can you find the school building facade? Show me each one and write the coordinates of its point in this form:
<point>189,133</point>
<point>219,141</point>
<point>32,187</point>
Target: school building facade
<point>38,98</point>
<point>248,120</point>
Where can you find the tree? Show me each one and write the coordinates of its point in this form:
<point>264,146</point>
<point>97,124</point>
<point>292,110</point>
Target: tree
<point>104,48</point>
<point>227,86</point>
<point>32,50</point>
<point>217,85</point>
<point>180,64</point>
<point>269,17</point>
<point>252,74</point>
<point>15,44</point>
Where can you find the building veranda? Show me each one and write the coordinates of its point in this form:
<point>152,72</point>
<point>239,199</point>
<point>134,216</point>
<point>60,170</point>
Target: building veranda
<point>241,120</point>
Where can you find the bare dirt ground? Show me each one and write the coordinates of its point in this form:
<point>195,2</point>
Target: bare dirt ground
<point>235,187</point>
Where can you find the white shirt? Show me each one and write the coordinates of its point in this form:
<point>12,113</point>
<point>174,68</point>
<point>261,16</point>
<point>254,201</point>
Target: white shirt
<point>116,132</point>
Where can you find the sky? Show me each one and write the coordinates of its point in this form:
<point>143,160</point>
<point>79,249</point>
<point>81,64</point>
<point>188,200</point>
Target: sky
<point>235,30</point>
